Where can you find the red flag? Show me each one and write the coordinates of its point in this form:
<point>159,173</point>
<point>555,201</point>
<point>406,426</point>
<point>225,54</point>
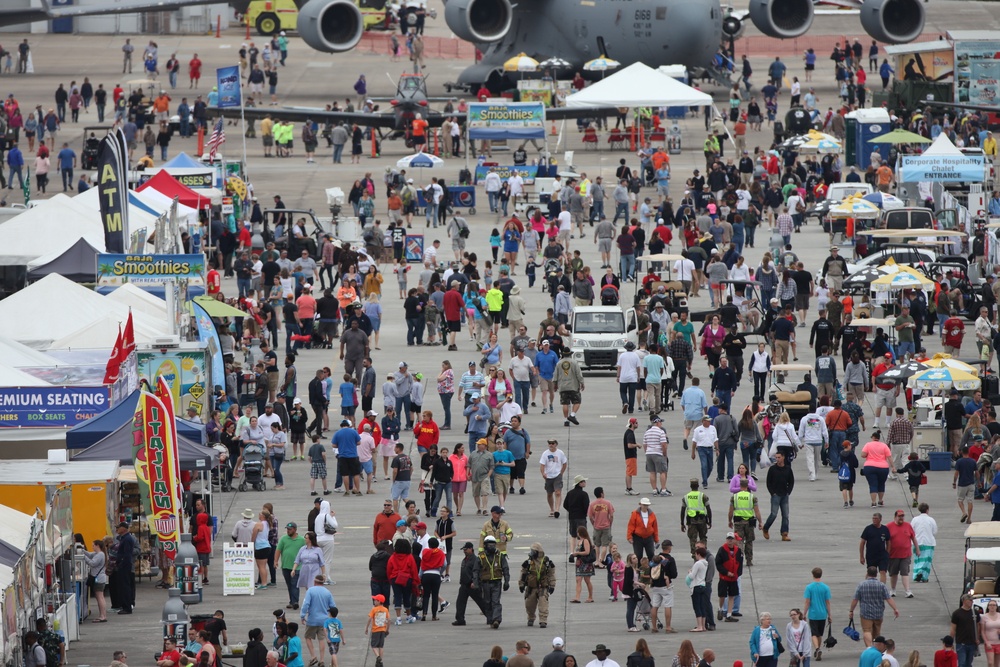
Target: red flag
<point>128,340</point>
<point>115,361</point>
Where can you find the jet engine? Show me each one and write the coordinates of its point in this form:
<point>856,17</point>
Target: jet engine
<point>893,21</point>
<point>733,27</point>
<point>479,21</point>
<point>331,26</point>
<point>783,19</point>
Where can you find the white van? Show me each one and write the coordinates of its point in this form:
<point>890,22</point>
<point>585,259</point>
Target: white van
<point>599,334</point>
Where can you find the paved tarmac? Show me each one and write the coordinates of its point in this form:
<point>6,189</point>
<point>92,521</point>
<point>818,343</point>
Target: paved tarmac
<point>822,533</point>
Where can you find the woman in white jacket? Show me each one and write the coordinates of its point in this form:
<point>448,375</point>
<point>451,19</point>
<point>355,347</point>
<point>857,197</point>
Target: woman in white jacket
<point>813,432</point>
<point>325,527</point>
<point>798,639</point>
<point>784,438</point>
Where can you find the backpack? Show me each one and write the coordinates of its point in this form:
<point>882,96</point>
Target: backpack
<point>49,641</point>
<point>844,473</point>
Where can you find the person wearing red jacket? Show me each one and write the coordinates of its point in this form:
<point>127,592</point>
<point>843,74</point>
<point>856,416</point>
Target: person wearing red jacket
<point>371,418</point>
<point>643,533</point>
<point>385,524</point>
<point>202,541</point>
<point>426,432</point>
<point>402,572</point>
<point>432,564</point>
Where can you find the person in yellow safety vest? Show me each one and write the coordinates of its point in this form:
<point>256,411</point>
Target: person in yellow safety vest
<point>744,515</point>
<point>697,514</point>
<point>711,150</point>
<point>494,303</point>
<point>490,574</point>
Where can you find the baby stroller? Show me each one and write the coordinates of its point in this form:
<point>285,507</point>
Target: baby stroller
<point>643,610</point>
<point>667,390</point>
<point>609,295</point>
<point>253,467</point>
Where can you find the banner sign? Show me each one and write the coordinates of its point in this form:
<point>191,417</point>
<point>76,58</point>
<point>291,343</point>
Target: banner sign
<point>207,333</point>
<point>516,120</point>
<point>977,72</point>
<point>228,81</point>
<point>528,172</point>
<point>112,188</point>
<point>114,270</point>
<point>51,407</point>
<point>187,372</point>
<point>942,169</point>
<point>154,451</point>
<point>238,569</point>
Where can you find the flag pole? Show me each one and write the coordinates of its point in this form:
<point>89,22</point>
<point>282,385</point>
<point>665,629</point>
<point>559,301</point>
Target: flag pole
<point>243,131</point>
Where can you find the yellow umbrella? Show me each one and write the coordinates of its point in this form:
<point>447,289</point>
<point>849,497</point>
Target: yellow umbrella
<point>945,378</point>
<point>901,280</point>
<point>522,62</point>
<point>946,360</point>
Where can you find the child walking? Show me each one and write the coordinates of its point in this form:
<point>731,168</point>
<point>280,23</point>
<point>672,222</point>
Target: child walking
<point>378,625</point>
<point>617,575</point>
<point>334,635</point>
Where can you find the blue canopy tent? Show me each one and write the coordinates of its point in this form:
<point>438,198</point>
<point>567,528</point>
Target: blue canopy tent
<point>182,161</point>
<point>118,447</point>
<point>97,428</point>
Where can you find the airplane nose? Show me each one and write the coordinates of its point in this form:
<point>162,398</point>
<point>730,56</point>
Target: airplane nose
<point>693,34</point>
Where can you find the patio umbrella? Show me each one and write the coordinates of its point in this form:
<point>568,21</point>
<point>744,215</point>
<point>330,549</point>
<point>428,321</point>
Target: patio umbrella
<point>420,161</point>
<point>821,146</point>
<point>864,277</point>
<point>937,379</point>
<point>947,361</point>
<point>884,200</point>
<point>522,62</point>
<point>555,63</point>
<point>901,280</point>
<point>900,136</point>
<point>602,65</point>
<point>902,372</point>
<point>854,207</point>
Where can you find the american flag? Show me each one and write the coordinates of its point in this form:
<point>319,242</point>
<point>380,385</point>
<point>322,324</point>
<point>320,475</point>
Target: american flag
<point>217,138</point>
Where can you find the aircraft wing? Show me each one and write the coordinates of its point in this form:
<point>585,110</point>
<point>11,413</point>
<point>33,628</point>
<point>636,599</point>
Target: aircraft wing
<point>300,114</point>
<point>45,12</point>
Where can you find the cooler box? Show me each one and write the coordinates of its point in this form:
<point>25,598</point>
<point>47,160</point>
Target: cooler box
<point>940,461</point>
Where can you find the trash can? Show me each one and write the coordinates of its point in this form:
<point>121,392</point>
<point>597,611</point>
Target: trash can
<point>940,461</point>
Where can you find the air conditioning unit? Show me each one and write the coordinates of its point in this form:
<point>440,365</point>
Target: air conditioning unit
<point>166,341</point>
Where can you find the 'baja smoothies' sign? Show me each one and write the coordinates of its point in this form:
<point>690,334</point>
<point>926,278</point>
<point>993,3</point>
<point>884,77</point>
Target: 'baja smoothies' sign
<point>516,120</point>
<point>114,270</point>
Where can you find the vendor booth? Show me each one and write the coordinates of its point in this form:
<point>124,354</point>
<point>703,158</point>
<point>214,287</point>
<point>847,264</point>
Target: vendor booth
<point>165,184</point>
<point>100,427</point>
<point>77,263</point>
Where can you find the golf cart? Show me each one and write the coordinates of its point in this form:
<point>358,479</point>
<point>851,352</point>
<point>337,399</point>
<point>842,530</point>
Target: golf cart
<point>313,240</point>
<point>980,575</point>
<point>796,403</point>
<point>967,280</point>
<point>92,145</point>
<point>746,295</point>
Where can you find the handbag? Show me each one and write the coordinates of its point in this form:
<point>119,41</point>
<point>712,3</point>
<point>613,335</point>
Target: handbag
<point>830,640</point>
<point>923,478</point>
<point>763,459</point>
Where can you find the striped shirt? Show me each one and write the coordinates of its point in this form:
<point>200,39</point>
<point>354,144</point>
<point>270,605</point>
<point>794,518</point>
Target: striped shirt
<point>466,384</point>
<point>654,441</point>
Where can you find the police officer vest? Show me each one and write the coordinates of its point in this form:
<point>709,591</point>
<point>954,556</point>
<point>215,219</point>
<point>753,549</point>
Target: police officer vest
<point>743,505</point>
<point>695,501</point>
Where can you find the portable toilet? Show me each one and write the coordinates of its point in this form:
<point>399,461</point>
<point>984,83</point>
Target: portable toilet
<point>678,72</point>
<point>863,125</point>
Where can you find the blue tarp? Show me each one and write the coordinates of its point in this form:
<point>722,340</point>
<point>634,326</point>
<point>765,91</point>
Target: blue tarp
<point>182,161</point>
<point>97,428</point>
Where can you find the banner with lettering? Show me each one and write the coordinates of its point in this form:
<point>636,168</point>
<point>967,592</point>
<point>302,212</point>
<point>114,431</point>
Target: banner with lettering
<point>528,172</point>
<point>154,452</point>
<point>514,120</point>
<point>228,81</point>
<point>112,188</point>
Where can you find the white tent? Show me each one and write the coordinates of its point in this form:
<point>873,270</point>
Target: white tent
<point>12,377</point>
<point>138,218</point>
<point>18,355</point>
<point>100,334</point>
<point>943,147</point>
<point>53,307</point>
<point>52,225</point>
<point>160,202</point>
<point>15,527</point>
<point>139,300</point>
<point>638,85</point>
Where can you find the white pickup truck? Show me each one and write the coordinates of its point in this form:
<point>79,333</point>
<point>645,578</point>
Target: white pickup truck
<point>599,334</point>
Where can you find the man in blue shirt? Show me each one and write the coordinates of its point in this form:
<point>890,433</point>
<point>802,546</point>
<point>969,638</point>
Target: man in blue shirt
<point>345,441</point>
<point>67,162</point>
<point>693,403</point>
<point>545,362</point>
<point>817,597</point>
<point>974,405</point>
<point>519,444</point>
<point>872,656</point>
<point>479,418</point>
<point>994,492</point>
<point>15,160</point>
<point>315,611</point>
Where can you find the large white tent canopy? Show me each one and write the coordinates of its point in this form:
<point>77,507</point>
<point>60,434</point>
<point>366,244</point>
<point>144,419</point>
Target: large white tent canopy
<point>638,85</point>
<point>28,316</point>
<point>52,225</point>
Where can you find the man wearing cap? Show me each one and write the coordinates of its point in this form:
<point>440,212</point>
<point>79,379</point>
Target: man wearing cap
<point>661,588</point>
<point>121,578</point>
<point>479,416</point>
<point>654,444</point>
<point>963,631</point>
<point>835,269</point>
<point>545,363</point>
<point>729,563</point>
<point>552,465</point>
<point>480,465</point>
<point>557,657</point>
<point>569,383</point>
<point>872,595</point>
<point>576,504</point>
<point>697,514</point>
<point>744,514</point>
<point>497,528</point>
<point>643,532</point>
<point>885,392</point>
<point>403,382</point>
<point>490,573</point>
<point>602,660</point>
<point>874,655</point>
<point>315,610</point>
<point>287,549</point>
<point>899,439</point>
<point>518,443</point>
<point>705,441</point>
<point>466,590</point>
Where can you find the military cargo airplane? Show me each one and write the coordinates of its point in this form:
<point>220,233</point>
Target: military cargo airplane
<point>657,32</point>
<point>46,12</point>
